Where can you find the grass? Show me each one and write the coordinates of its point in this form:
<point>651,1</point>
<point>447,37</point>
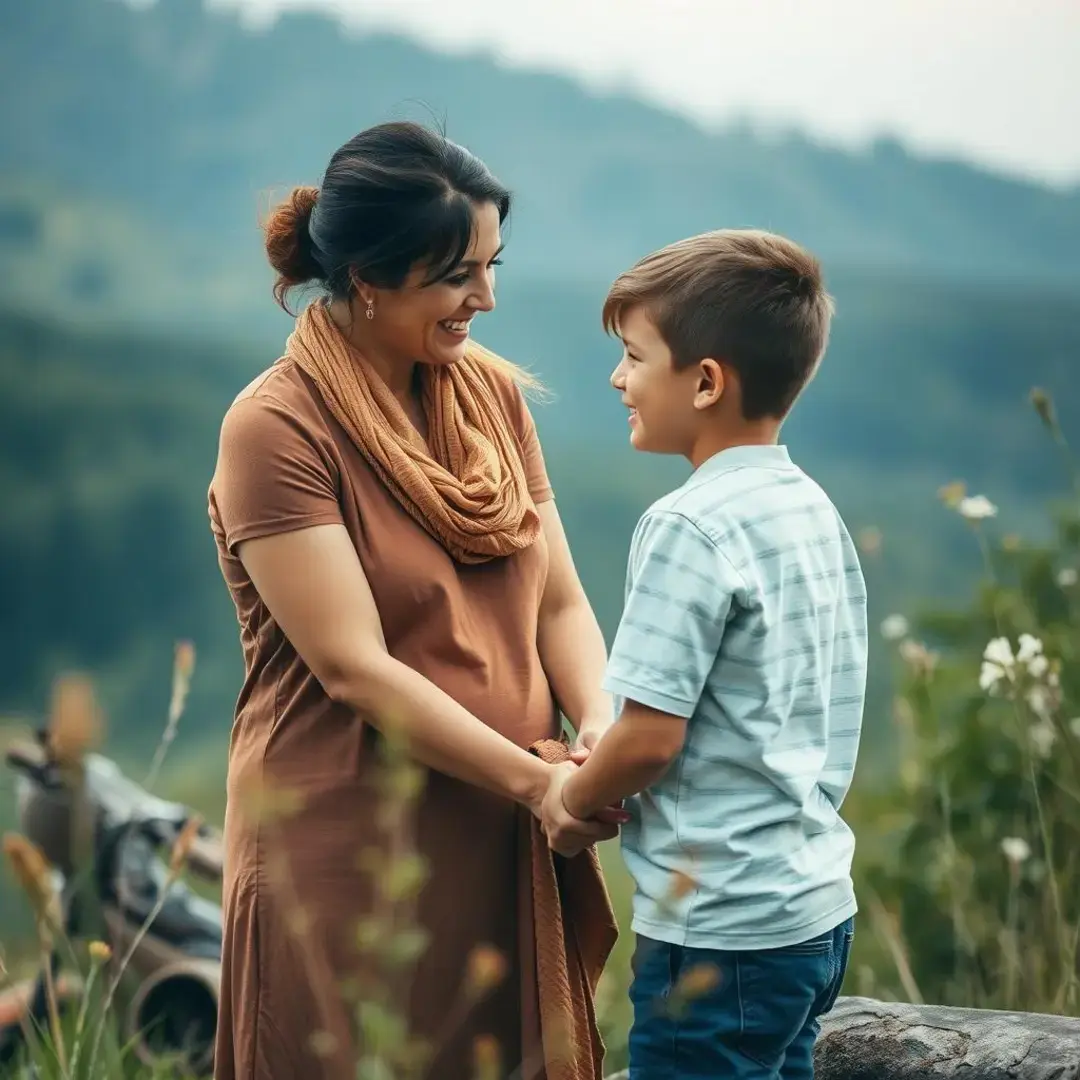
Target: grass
<point>967,865</point>
<point>85,1037</point>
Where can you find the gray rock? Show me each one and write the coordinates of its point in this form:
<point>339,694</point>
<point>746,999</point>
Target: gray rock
<point>862,1039</point>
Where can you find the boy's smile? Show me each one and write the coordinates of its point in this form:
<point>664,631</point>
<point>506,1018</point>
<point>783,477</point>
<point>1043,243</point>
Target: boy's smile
<point>666,403</point>
<point>660,399</point>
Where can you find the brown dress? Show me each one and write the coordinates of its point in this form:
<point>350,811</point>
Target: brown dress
<point>284,463</point>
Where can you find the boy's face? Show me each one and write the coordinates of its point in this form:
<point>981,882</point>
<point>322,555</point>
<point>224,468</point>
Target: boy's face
<point>663,417</point>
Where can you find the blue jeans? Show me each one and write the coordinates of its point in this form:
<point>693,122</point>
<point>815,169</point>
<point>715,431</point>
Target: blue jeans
<point>748,1015</point>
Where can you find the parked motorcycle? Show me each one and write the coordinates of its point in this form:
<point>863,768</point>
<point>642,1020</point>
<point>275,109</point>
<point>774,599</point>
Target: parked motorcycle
<point>175,970</point>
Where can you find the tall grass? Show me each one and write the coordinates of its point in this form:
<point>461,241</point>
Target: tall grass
<point>967,865</point>
<point>969,860</point>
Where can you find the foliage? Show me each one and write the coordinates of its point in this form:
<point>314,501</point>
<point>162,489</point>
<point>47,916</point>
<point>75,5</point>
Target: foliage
<point>83,1036</point>
<point>970,863</point>
<point>967,862</point>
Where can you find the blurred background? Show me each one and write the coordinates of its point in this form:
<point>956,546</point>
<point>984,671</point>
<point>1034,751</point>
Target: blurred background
<point>929,153</point>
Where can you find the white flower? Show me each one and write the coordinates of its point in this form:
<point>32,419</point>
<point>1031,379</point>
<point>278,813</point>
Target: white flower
<point>1030,647</point>
<point>1038,666</point>
<point>894,627</point>
<point>1016,849</point>
<point>976,508</point>
<point>998,664</point>
<point>1043,736</point>
<point>918,656</point>
<point>989,676</point>
<point>1068,577</point>
<point>998,651</point>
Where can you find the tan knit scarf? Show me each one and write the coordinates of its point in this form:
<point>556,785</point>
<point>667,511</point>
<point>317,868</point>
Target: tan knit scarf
<point>472,494</point>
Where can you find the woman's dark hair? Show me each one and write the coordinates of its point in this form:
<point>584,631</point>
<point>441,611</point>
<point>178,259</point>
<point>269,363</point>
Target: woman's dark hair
<point>393,196</point>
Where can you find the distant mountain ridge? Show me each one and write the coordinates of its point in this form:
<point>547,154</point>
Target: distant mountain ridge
<point>187,117</point>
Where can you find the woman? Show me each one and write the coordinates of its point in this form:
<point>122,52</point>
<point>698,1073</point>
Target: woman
<point>386,528</point>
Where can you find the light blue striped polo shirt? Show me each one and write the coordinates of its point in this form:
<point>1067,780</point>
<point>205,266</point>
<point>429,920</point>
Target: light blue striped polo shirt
<point>746,614</point>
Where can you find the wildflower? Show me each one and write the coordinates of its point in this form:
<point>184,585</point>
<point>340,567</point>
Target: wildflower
<point>976,508</point>
<point>894,627</point>
<point>1030,656</point>
<point>184,660</point>
<point>99,951</point>
<point>1040,701</point>
<point>1016,849</point>
<point>1068,577</point>
<point>903,714</point>
<point>698,980</point>
<point>918,657</point>
<point>998,663</point>
<point>487,1058</point>
<point>182,846</point>
<point>75,724</point>
<point>1043,736</point>
<point>952,494</point>
<point>998,651</point>
<point>682,884</point>
<point>989,677</point>
<point>183,668</point>
<point>487,968</point>
<point>1029,648</point>
<point>35,876</point>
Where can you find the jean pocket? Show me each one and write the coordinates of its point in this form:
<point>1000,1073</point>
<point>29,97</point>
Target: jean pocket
<point>779,990</point>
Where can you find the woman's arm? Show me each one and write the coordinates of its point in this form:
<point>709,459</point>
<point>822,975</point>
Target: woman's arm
<point>313,584</point>
<point>571,646</point>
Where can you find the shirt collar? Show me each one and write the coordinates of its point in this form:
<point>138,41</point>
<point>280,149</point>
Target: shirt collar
<point>735,457</point>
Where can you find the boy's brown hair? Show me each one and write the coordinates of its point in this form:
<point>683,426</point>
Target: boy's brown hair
<point>751,299</point>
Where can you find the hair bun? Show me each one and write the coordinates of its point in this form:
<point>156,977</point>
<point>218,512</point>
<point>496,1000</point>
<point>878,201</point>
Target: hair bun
<point>288,241</point>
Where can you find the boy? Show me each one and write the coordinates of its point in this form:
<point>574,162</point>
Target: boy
<point>740,669</point>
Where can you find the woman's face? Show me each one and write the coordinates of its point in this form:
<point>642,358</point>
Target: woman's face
<point>431,324</point>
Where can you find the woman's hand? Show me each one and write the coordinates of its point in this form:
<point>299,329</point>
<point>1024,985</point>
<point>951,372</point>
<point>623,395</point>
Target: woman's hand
<point>590,732</point>
<point>565,833</point>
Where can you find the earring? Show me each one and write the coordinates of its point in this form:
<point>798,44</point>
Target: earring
<point>370,313</point>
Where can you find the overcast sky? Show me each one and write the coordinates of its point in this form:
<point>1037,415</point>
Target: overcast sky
<point>987,80</point>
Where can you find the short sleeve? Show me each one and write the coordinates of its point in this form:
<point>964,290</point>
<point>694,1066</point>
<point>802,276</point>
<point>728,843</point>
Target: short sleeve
<point>680,592</point>
<point>517,411</point>
<point>536,475</point>
<point>272,476</point>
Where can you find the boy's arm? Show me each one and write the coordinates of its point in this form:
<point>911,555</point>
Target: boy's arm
<point>633,755</point>
<point>666,645</point>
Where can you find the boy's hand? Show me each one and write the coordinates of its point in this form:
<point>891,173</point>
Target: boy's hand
<point>565,833</point>
<point>589,735</point>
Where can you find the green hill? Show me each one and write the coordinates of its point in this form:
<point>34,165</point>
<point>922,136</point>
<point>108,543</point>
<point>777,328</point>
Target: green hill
<point>186,118</point>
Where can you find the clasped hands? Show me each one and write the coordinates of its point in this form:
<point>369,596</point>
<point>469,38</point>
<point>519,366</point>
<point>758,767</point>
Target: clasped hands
<point>569,835</point>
